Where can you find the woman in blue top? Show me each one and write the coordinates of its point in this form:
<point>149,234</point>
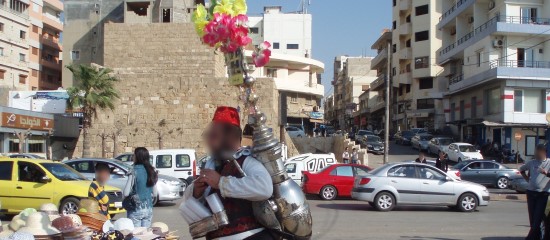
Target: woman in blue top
<point>141,183</point>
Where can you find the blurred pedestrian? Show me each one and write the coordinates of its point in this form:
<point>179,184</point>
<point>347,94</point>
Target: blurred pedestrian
<point>140,188</point>
<point>441,161</point>
<point>355,156</point>
<point>421,158</point>
<point>96,190</point>
<point>345,155</point>
<point>537,173</point>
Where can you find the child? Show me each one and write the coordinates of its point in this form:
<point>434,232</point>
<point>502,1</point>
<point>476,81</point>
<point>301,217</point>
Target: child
<point>102,175</point>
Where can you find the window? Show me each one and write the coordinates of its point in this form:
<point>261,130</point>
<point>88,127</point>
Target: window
<point>275,45</point>
<point>290,168</point>
<point>453,117</point>
<point>254,30</point>
<point>22,79</point>
<point>425,104</point>
<point>393,71</point>
<point>479,57</point>
<point>166,15</point>
<point>34,73</point>
<point>22,34</point>
<point>430,173</point>
<point>518,100</point>
<point>6,169</point>
<point>490,165</point>
<point>75,55</point>
<point>408,88</point>
<point>475,165</point>
<point>394,3</point>
<point>83,167</point>
<point>528,15</point>
<point>1,51</point>
<point>164,161</point>
<point>183,161</point>
<point>422,10</point>
<point>35,144</point>
<point>408,43</point>
<point>292,46</point>
<point>492,98</point>
<point>271,72</point>
<point>394,25</point>
<point>29,172</point>
<point>2,74</point>
<point>34,51</point>
<point>425,83</point>
<point>394,48</point>
<point>22,57</point>
<point>530,143</point>
<point>408,171</point>
<point>462,108</point>
<point>344,171</point>
<point>421,36</point>
<point>1,27</point>
<point>34,29</point>
<point>294,98</point>
<point>360,171</point>
<point>13,145</point>
<point>473,107</point>
<point>408,19</point>
<point>421,62</point>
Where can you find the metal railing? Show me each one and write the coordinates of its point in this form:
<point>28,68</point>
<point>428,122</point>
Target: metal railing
<point>456,79</point>
<point>470,35</point>
<point>525,20</point>
<point>24,14</point>
<point>453,8</point>
<point>519,64</point>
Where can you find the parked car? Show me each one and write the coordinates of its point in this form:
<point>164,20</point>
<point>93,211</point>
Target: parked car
<point>26,155</point>
<point>361,134</point>
<point>168,188</point>
<point>417,184</point>
<point>295,132</point>
<point>439,144</point>
<point>459,152</point>
<point>418,130</point>
<point>178,163</point>
<point>333,181</point>
<point>420,141</point>
<point>126,157</point>
<point>330,131</point>
<point>404,138</point>
<point>373,144</point>
<point>308,162</point>
<point>27,183</point>
<point>485,172</point>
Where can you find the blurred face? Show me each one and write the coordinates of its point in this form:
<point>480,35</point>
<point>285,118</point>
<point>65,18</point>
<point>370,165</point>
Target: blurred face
<point>421,155</point>
<point>441,155</point>
<point>216,140</point>
<point>102,176</point>
<point>540,154</point>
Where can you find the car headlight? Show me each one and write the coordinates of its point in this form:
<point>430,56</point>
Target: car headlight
<point>486,191</point>
<point>466,158</point>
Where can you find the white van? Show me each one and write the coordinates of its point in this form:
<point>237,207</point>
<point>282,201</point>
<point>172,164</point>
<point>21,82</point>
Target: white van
<point>178,163</point>
<point>307,162</point>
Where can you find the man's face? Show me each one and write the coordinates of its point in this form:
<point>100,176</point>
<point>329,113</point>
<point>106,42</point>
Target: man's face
<point>216,140</point>
<point>441,155</point>
<point>421,156</point>
<point>541,154</point>
<point>102,176</point>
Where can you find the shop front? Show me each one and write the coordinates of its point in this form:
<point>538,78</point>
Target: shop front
<point>23,131</point>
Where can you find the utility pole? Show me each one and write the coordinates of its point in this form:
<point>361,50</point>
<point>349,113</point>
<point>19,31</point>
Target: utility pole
<point>387,122</point>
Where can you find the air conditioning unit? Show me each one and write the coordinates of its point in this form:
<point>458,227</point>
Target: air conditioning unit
<point>491,5</point>
<point>471,20</point>
<point>498,43</point>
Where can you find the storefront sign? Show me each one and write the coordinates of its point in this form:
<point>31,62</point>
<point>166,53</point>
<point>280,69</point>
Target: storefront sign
<point>13,120</point>
<point>316,115</point>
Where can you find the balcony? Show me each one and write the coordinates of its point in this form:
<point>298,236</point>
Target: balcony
<point>379,83</point>
<point>405,54</point>
<point>50,41</point>
<point>378,106</point>
<point>504,69</point>
<point>405,78</point>
<point>55,4</point>
<point>379,60</point>
<point>404,5</point>
<point>453,12</point>
<point>52,21</point>
<point>405,29</point>
<point>22,14</point>
<point>54,64</point>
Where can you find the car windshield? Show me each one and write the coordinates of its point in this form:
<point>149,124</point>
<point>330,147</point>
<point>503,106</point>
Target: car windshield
<point>407,133</point>
<point>445,141</point>
<point>122,164</point>
<point>467,148</point>
<point>363,132</point>
<point>372,138</point>
<point>63,172</point>
<point>425,138</point>
<point>460,165</point>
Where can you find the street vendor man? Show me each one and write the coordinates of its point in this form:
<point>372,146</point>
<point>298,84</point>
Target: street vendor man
<point>220,176</point>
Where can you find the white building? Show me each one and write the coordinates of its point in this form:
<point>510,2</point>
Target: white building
<point>496,56</point>
<point>297,76</point>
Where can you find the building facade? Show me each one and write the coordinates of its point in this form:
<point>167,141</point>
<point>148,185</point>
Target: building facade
<point>496,59</point>
<point>381,63</point>
<point>416,40</point>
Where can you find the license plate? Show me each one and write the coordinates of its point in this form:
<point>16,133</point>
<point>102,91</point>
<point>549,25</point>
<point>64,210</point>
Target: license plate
<point>118,204</point>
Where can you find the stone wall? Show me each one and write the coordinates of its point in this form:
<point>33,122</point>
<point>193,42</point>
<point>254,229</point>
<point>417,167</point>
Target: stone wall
<point>170,84</point>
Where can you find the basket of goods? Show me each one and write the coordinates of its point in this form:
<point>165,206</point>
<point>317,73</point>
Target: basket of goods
<point>90,216</point>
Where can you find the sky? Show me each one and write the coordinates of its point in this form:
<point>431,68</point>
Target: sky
<point>340,27</point>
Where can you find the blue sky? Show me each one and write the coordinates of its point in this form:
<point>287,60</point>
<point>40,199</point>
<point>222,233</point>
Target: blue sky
<point>340,27</point>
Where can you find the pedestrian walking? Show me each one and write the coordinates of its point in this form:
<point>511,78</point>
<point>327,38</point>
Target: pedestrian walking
<point>139,189</point>
<point>96,189</point>
<point>421,158</point>
<point>345,155</point>
<point>355,156</point>
<point>537,173</point>
<point>441,162</point>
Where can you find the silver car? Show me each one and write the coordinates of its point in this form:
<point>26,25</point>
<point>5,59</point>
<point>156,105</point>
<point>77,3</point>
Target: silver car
<point>417,184</point>
<point>439,144</point>
<point>168,188</point>
<point>420,141</point>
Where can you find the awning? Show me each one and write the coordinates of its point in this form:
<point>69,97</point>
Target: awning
<point>503,124</point>
<point>313,120</point>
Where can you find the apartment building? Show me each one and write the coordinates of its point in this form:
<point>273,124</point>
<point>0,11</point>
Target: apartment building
<point>29,44</point>
<point>297,76</point>
<point>376,108</point>
<point>416,40</point>
<point>352,75</point>
<point>496,59</point>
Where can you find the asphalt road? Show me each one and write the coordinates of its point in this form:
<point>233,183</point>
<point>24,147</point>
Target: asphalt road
<point>349,219</point>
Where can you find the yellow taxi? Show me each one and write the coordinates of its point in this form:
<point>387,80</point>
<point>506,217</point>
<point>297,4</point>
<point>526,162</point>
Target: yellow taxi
<point>29,183</point>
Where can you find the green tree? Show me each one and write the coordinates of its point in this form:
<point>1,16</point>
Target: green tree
<point>94,90</point>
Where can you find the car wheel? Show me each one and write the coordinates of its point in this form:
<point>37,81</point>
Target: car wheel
<point>502,182</point>
<point>328,192</point>
<point>384,201</point>
<point>467,202</point>
<point>69,205</point>
<point>155,200</point>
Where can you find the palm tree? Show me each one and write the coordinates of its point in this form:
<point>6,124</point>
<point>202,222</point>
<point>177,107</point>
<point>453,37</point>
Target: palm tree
<point>93,91</point>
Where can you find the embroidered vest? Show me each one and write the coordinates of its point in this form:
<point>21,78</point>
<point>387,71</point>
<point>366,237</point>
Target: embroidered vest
<point>239,211</point>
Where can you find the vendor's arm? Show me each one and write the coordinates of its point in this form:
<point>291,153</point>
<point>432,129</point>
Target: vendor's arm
<point>188,193</point>
<point>256,186</point>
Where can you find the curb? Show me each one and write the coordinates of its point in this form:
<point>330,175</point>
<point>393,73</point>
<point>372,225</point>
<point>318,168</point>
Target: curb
<point>508,197</point>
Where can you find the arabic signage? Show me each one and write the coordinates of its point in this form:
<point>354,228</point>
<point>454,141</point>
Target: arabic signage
<point>13,120</point>
<point>316,115</point>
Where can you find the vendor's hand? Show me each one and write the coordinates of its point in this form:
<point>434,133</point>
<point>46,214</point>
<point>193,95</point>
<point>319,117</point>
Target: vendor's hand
<point>543,171</point>
<point>199,186</point>
<point>211,177</point>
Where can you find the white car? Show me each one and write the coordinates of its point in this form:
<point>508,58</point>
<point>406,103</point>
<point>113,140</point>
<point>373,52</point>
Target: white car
<point>417,184</point>
<point>459,152</point>
<point>295,132</point>
<point>308,162</point>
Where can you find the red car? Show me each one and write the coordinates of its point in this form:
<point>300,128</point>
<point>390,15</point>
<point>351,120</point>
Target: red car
<point>333,181</point>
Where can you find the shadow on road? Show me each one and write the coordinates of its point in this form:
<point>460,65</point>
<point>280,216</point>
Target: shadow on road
<point>502,238</point>
<point>423,238</point>
<point>345,206</point>
<point>165,204</point>
<point>362,206</point>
